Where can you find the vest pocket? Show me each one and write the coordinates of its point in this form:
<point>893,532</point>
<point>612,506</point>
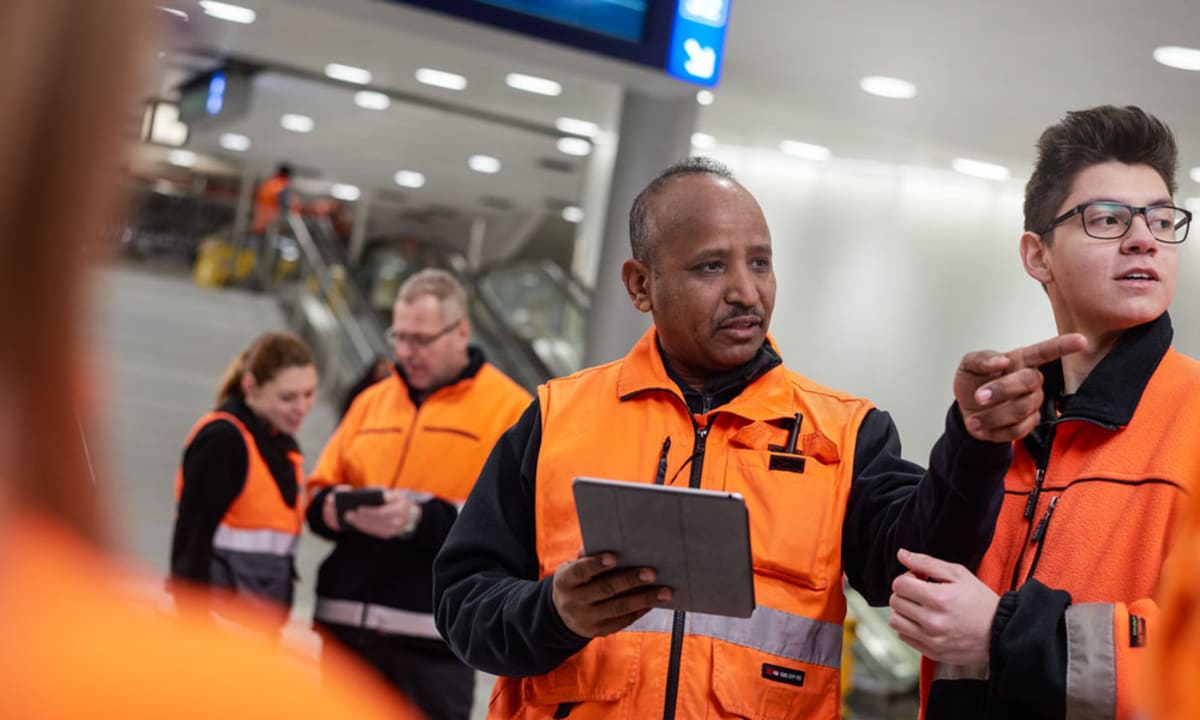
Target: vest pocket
<point>795,521</point>
<point>750,684</point>
<point>597,681</point>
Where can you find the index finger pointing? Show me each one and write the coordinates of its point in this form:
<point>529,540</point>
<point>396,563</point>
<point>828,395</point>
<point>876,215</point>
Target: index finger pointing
<point>1046,351</point>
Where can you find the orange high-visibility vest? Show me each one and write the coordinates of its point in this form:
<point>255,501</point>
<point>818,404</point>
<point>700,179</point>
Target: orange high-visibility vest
<point>782,662</point>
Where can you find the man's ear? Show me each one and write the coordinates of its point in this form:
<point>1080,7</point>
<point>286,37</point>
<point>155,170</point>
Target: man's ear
<point>1035,257</point>
<point>636,276</point>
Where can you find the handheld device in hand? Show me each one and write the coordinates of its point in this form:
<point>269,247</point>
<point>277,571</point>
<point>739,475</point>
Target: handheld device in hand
<point>346,500</point>
<point>697,541</point>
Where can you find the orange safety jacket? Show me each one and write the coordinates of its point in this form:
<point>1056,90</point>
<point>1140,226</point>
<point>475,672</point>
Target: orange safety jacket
<point>254,546</point>
<point>434,451</point>
<point>782,662</point>
<point>267,202</point>
<point>1085,529</point>
<point>82,639</point>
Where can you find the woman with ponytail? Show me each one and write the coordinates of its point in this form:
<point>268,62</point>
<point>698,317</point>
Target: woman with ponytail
<point>239,506</point>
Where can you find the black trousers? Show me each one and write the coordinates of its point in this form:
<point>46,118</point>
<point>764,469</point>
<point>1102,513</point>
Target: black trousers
<point>423,669</point>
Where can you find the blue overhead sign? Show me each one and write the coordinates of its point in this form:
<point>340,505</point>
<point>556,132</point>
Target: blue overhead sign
<point>685,38</point>
<point>698,41</point>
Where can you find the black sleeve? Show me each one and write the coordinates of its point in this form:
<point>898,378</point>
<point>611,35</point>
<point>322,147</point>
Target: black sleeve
<point>437,517</point>
<point>1028,657</point>
<point>948,511</point>
<point>214,473</point>
<point>316,515</point>
<point>491,608</point>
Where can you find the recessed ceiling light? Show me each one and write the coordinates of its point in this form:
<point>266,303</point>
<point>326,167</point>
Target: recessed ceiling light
<point>888,87</point>
<point>703,141</point>
<point>1194,174</point>
<point>342,191</point>
<point>1178,57</point>
<point>372,100</point>
<point>980,169</point>
<point>484,164</point>
<point>577,127</point>
<point>572,214</point>
<point>235,142</point>
<point>296,123</point>
<point>228,12</point>
<point>348,73</point>
<point>808,151</point>
<point>705,97</point>
<point>574,146</point>
<point>409,179</point>
<point>533,84</point>
<point>182,158</point>
<point>442,79</point>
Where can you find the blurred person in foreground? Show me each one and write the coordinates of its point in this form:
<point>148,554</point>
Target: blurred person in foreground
<point>1059,621</point>
<point>420,436</point>
<point>74,641</point>
<point>239,505</point>
<point>703,400</point>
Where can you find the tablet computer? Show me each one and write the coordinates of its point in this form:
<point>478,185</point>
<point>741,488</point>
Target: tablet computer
<point>697,541</point>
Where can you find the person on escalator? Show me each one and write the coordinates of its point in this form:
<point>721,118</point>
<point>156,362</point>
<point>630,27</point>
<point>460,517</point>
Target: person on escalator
<point>418,437</point>
<point>703,400</point>
<point>238,492</point>
<point>1061,618</point>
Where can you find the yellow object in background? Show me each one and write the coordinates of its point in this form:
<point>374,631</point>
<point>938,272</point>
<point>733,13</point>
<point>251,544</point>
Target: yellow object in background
<point>849,628</point>
<point>214,261</point>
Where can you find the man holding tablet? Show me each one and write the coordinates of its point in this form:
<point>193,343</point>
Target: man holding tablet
<point>704,401</point>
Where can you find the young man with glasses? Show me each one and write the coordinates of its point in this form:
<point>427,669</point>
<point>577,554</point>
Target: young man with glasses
<point>1057,622</point>
<point>420,435</point>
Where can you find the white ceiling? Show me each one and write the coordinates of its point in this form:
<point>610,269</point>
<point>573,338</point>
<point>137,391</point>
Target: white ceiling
<point>990,76</point>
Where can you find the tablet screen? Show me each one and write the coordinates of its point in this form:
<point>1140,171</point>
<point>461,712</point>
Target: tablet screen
<point>697,541</point>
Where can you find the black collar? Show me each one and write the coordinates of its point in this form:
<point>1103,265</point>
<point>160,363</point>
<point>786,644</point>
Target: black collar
<point>1111,392</point>
<point>726,386</point>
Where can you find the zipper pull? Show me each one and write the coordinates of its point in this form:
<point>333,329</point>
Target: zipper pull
<point>1031,503</point>
<point>1040,532</point>
<point>661,475</point>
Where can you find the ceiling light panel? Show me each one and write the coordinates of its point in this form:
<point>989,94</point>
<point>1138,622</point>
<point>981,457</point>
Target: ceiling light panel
<point>182,158</point>
<point>441,78</point>
<point>804,150</point>
<point>574,146</point>
<point>572,214</point>
<point>577,127</point>
<point>1194,174</point>
<point>484,164</point>
<point>235,142</point>
<point>371,100</point>
<point>228,12</point>
<point>703,141</point>
<point>296,123</point>
<point>1182,58</point>
<point>705,97</point>
<point>348,73</point>
<point>980,169</point>
<point>533,84</point>
<point>888,87</point>
<point>409,179</point>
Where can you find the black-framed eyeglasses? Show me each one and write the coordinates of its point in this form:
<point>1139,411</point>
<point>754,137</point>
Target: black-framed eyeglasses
<point>418,339</point>
<point>1105,220</point>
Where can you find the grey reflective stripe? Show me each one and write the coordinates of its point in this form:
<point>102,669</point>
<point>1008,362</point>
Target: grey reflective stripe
<point>376,617</point>
<point>1091,662</point>
<point>943,671</point>
<point>775,632</point>
<point>267,542</point>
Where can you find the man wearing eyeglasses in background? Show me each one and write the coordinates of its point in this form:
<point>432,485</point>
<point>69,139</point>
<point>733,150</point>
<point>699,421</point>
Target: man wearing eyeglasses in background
<point>421,435</point>
<point>1057,622</point>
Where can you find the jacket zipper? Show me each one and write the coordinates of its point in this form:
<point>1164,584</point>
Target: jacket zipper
<point>675,657</point>
<point>1030,508</point>
<point>1039,536</point>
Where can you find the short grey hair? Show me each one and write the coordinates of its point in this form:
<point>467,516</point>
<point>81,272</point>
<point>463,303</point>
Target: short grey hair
<point>639,215</point>
<point>440,284</point>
